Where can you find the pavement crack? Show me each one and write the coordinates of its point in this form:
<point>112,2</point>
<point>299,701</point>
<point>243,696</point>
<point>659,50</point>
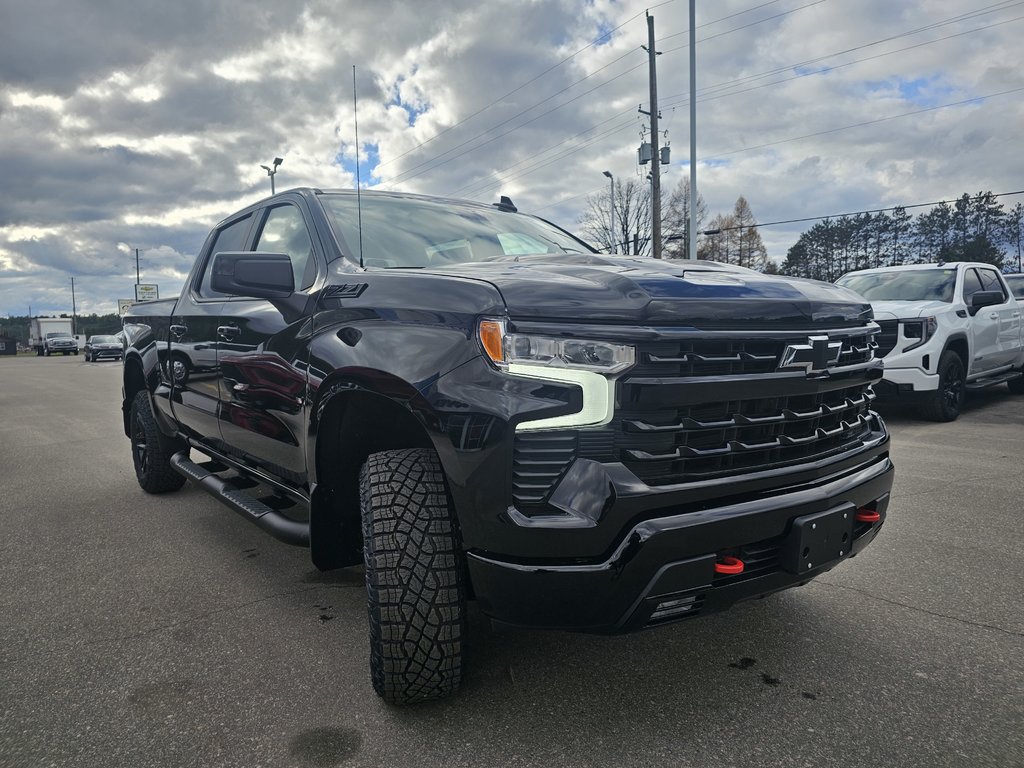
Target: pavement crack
<point>936,614</point>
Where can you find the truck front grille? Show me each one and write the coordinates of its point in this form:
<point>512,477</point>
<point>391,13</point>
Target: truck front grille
<point>696,442</point>
<point>886,338</point>
<point>706,408</point>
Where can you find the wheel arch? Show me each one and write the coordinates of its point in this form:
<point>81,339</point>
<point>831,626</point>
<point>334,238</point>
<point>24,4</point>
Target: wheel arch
<point>958,344</point>
<point>352,421</point>
<point>134,382</point>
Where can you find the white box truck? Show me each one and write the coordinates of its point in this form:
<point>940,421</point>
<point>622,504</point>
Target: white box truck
<point>50,335</point>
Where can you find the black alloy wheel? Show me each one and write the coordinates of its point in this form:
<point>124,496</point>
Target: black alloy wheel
<point>152,450</point>
<point>945,403</point>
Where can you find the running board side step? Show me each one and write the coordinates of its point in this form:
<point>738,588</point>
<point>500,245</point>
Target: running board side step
<point>255,511</point>
<point>991,381</point>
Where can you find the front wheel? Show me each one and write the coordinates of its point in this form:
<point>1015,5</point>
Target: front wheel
<point>1016,385</point>
<point>152,450</point>
<point>414,576</point>
<point>944,404</point>
<point>87,358</point>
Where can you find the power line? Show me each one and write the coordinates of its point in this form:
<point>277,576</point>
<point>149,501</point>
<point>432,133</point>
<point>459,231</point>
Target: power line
<point>705,93</point>
<point>860,125</point>
<point>409,173</point>
<point>536,163</point>
<point>961,17</point>
<point>568,58</point>
<point>857,213</point>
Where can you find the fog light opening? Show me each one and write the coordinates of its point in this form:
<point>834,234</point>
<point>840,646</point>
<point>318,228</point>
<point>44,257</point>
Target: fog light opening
<point>678,607</point>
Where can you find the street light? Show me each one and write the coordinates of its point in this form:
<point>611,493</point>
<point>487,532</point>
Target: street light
<point>611,232</point>
<point>271,171</point>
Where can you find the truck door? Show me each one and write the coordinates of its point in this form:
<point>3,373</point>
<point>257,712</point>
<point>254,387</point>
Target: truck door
<point>263,353</point>
<point>1006,316</point>
<point>192,357</point>
<point>993,328</point>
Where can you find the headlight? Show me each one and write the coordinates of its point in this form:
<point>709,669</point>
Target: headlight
<point>591,365</point>
<point>919,330</point>
<point>505,349</point>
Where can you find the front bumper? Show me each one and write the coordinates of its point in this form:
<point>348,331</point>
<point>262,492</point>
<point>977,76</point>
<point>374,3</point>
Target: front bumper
<point>106,354</point>
<point>664,568</point>
<point>906,381</point>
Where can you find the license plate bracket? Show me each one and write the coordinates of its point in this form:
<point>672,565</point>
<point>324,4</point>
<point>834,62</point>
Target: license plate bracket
<point>818,539</point>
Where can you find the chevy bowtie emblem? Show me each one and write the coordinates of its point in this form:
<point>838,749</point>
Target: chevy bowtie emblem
<point>815,356</point>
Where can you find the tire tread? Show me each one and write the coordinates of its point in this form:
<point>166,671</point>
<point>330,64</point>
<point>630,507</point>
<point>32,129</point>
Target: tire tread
<point>414,579</point>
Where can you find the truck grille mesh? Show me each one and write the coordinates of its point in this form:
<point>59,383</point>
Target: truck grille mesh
<point>699,409</point>
<point>887,337</point>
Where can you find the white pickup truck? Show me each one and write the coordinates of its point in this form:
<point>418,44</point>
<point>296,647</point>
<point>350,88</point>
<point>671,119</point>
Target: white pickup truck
<point>946,329</point>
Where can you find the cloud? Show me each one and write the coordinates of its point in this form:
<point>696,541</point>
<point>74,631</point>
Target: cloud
<point>142,124</point>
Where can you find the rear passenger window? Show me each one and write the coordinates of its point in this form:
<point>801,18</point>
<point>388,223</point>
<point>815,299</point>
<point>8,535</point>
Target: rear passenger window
<point>230,238</point>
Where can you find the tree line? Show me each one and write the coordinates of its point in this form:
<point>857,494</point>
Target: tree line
<point>973,228</point>
<point>731,238</point>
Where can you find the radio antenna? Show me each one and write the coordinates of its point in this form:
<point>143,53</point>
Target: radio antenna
<point>359,198</point>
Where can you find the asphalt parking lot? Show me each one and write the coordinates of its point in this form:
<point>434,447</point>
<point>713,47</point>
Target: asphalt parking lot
<point>144,630</point>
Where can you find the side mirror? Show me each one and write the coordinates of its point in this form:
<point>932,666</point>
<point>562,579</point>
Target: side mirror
<point>253,274</point>
<point>985,299</point>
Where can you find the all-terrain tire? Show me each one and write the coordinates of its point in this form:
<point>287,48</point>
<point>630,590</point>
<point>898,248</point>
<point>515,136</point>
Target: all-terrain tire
<point>945,403</point>
<point>414,576</point>
<point>152,449</point>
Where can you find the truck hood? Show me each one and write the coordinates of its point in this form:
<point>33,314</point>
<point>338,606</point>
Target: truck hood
<point>897,310</point>
<point>606,289</point>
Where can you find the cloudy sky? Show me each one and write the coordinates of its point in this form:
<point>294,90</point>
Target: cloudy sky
<point>140,124</point>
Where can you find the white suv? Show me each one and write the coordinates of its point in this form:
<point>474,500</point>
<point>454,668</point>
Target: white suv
<point>946,328</point>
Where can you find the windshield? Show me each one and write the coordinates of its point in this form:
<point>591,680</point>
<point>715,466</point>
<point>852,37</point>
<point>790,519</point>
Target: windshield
<point>410,232</point>
<point>903,285</point>
<point>103,340</point>
<point>1016,283</point>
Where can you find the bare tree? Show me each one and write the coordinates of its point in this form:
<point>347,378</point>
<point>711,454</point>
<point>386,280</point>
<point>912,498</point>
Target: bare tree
<point>675,225</point>
<point>632,218</point>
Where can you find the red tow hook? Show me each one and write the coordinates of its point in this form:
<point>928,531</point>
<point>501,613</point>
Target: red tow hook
<point>729,566</point>
<point>865,515</point>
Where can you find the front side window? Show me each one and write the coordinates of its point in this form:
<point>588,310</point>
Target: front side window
<point>972,284</point>
<point>229,238</point>
<point>990,281</point>
<point>401,232</point>
<point>284,231</point>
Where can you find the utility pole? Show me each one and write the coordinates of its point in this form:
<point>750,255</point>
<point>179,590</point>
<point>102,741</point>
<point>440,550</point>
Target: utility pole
<point>652,55</point>
<point>74,307</point>
<point>611,232</point>
<point>137,281</point>
<point>692,251</point>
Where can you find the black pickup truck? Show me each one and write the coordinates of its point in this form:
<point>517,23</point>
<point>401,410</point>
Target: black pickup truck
<point>474,404</point>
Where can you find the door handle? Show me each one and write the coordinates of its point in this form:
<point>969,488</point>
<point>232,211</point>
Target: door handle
<point>993,316</point>
<point>228,332</point>
<point>177,331</point>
